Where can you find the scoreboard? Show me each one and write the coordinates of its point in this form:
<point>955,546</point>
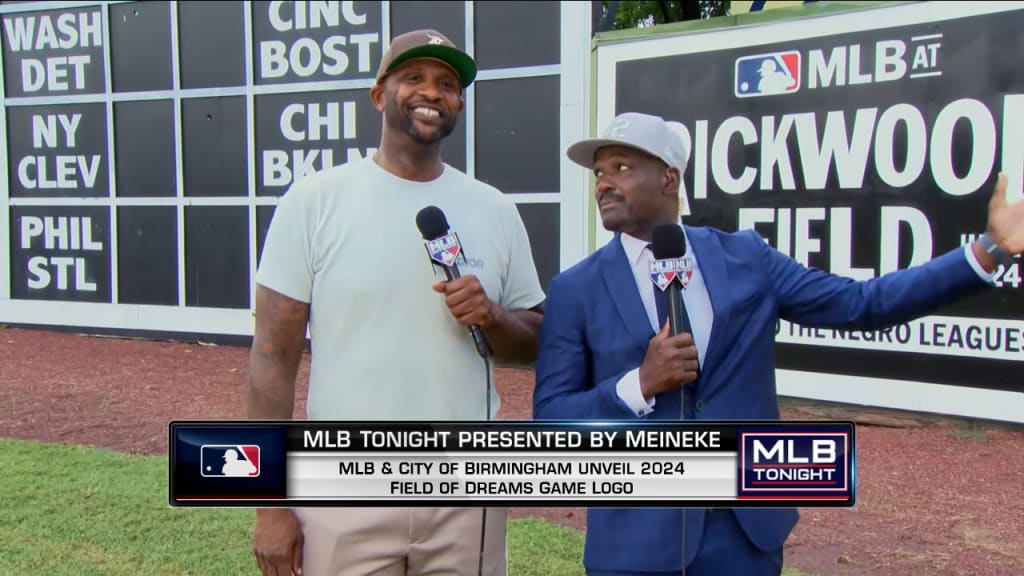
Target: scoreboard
<point>148,143</point>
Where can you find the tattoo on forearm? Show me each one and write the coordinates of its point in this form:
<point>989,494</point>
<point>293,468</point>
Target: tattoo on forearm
<point>276,352</point>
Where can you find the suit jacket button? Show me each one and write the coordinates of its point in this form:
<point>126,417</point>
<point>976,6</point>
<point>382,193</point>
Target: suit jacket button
<point>700,405</point>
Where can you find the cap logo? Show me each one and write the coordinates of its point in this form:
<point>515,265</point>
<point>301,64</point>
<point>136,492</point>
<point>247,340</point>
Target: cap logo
<point>434,39</point>
<point>617,129</point>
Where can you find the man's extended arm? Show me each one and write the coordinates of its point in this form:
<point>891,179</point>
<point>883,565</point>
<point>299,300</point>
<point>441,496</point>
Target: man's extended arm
<point>813,297</point>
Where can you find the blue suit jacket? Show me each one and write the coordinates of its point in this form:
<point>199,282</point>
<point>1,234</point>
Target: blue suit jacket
<point>595,330</point>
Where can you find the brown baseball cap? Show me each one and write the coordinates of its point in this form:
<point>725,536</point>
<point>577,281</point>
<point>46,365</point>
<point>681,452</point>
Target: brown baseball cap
<point>427,44</point>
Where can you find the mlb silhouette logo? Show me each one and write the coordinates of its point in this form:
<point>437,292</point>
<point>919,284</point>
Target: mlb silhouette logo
<point>242,460</point>
<point>684,271</point>
<point>663,273</point>
<point>444,250</point>
<point>767,74</point>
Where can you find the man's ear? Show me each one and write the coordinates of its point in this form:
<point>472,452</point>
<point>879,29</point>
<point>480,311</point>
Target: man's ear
<point>671,179</point>
<point>377,95</point>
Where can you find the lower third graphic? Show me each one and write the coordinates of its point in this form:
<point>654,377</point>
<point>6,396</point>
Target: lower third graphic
<point>242,460</point>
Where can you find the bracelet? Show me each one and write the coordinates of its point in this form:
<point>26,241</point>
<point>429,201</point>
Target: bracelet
<point>1001,256</point>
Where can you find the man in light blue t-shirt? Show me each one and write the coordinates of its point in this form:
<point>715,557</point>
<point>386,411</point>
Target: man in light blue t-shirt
<point>389,335</point>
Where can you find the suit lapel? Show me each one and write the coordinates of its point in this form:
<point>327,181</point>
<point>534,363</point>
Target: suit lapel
<point>711,262</point>
<point>618,278</point>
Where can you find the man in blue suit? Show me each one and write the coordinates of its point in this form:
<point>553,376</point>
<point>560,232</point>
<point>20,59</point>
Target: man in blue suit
<point>605,353</point>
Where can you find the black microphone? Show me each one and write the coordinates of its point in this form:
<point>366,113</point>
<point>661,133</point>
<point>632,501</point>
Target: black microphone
<point>444,248</point>
<point>669,246</point>
<point>668,243</point>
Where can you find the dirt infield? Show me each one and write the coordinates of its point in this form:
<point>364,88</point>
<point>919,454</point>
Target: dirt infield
<point>935,496</point>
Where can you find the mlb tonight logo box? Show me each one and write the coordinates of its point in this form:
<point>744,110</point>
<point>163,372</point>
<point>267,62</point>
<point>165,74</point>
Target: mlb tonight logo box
<point>806,463</point>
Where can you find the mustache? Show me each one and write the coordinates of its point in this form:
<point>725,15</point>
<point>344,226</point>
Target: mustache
<point>612,193</point>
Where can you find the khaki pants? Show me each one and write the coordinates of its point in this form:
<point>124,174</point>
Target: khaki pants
<point>402,541</point>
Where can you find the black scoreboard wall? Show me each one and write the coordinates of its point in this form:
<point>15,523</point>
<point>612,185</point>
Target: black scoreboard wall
<point>147,143</point>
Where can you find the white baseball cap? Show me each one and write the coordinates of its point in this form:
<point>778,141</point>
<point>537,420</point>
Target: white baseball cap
<point>666,141</point>
<point>650,134</point>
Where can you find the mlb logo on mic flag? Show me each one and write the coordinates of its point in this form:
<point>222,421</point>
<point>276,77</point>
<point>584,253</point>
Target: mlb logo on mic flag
<point>241,460</point>
<point>767,74</point>
<point>444,250</point>
<point>684,271</point>
<point>663,273</point>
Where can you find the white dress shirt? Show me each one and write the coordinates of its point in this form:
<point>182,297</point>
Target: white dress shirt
<point>698,308</point>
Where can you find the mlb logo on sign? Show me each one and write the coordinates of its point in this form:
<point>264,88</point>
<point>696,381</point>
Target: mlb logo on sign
<point>241,460</point>
<point>444,250</point>
<point>663,273</point>
<point>767,74</point>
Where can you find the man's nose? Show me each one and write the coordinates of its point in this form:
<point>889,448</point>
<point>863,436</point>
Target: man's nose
<point>430,91</point>
<point>604,184</point>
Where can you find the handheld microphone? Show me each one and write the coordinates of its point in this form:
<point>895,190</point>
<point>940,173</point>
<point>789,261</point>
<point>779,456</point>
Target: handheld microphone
<point>668,243</point>
<point>669,246</point>
<point>443,247</point>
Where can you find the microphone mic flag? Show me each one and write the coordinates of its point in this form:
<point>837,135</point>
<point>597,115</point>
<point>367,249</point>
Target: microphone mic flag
<point>444,248</point>
<point>669,246</point>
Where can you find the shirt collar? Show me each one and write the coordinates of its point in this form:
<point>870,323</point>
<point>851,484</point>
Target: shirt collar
<point>635,248</point>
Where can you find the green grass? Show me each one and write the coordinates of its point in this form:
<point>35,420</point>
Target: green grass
<point>70,510</point>
<point>536,547</point>
<point>83,511</point>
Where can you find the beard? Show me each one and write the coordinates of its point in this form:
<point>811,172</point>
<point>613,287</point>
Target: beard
<point>400,121</point>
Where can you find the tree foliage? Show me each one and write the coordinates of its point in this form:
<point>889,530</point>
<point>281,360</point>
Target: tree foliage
<point>618,15</point>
